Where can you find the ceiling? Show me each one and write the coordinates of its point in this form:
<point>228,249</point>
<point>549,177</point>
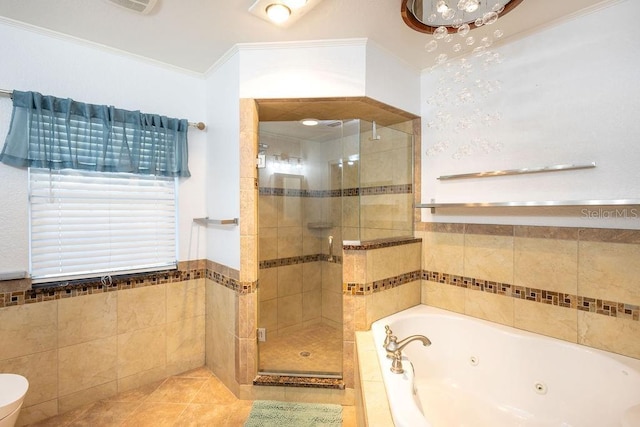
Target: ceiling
<point>194,34</point>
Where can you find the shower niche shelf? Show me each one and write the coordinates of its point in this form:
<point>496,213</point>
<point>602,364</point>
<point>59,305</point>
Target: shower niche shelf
<point>319,225</point>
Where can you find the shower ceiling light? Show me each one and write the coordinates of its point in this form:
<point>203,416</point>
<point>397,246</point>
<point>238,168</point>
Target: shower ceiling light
<point>289,11</point>
<point>310,122</point>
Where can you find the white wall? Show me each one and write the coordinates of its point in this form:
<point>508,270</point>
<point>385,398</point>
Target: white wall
<point>569,94</point>
<point>392,81</point>
<point>223,162</point>
<point>63,68</point>
<point>303,70</point>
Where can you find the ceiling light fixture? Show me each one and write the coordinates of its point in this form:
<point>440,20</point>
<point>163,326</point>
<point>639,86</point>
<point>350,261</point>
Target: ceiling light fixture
<point>294,4</point>
<point>430,16</point>
<point>278,13</point>
<point>310,122</point>
<point>282,13</point>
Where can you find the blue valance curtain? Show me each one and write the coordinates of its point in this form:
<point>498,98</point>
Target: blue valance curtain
<point>55,133</point>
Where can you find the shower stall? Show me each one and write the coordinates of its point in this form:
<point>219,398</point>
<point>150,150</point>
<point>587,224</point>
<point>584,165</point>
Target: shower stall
<point>341,181</point>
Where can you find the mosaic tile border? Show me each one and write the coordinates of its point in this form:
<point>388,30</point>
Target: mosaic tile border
<point>380,285</point>
<point>281,262</point>
<point>355,191</point>
<point>69,289</point>
<point>577,302</point>
<point>289,381</point>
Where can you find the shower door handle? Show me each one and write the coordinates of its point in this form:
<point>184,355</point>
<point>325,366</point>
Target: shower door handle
<point>330,248</point>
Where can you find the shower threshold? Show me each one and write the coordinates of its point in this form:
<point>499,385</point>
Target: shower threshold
<point>301,374</point>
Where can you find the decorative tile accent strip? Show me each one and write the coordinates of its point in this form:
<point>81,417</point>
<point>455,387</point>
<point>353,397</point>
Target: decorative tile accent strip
<point>69,289</point>
<point>310,382</point>
<point>380,285</point>
<point>189,270</point>
<point>355,191</point>
<point>593,305</point>
<point>280,262</point>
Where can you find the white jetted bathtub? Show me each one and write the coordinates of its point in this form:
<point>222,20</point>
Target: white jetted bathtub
<point>481,374</point>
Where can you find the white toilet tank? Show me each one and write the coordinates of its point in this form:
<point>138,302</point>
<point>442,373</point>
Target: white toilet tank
<point>13,388</point>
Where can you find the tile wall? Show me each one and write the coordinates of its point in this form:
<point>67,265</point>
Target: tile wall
<point>575,284</point>
<point>80,344</point>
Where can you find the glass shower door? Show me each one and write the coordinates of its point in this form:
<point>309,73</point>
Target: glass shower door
<point>300,270</point>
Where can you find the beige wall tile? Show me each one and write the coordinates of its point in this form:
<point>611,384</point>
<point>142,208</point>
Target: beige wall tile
<point>550,320</point>
<point>289,242</point>
<point>248,258</point>
<point>185,300</point>
<point>332,277</point>
<point>408,295</point>
<point>487,306</point>
<point>311,276</point>
<point>142,378</point>
<point>312,305</point>
<point>489,257</point>
<point>85,397</point>
<point>141,307</point>
<point>268,287</point>
<point>289,311</point>
<point>185,340</point>
<point>268,243</point>
<point>443,252</point>
<point>268,212</point>
<point>86,365</point>
<point>141,350</point>
<point>444,296</point>
<point>268,313</point>
<point>609,333</point>
<point>546,264</point>
<point>393,261</point>
<point>332,306</point>
<point>41,370</point>
<point>30,328</point>
<point>290,212</point>
<point>41,411</point>
<point>85,318</point>
<point>289,280</point>
<point>609,271</point>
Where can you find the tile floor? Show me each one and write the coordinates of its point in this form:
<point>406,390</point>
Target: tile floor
<point>195,398</point>
<point>315,349</point>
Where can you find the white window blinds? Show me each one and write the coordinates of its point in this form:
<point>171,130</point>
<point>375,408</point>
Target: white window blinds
<point>88,224</point>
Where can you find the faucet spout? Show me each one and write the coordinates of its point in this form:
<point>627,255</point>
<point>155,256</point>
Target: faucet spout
<point>403,343</point>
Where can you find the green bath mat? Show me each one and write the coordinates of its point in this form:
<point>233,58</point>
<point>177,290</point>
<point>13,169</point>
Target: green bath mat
<point>271,413</point>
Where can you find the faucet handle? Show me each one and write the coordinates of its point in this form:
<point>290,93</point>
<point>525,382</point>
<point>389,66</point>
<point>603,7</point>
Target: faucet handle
<point>396,365</point>
<point>389,333</point>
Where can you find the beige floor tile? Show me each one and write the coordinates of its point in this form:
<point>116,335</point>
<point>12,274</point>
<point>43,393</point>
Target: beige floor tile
<point>106,413</point>
<point>152,414</point>
<point>137,394</point>
<point>317,348</point>
<point>177,390</point>
<point>203,414</point>
<point>349,416</point>
<point>214,391</point>
<point>201,372</point>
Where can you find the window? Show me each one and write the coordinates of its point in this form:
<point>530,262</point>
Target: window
<point>88,224</point>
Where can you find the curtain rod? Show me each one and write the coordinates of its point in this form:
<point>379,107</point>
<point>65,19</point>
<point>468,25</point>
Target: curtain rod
<point>198,125</point>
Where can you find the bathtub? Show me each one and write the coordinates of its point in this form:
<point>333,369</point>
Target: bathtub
<point>481,374</point>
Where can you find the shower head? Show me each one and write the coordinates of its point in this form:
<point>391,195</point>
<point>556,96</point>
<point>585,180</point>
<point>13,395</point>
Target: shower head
<point>374,132</point>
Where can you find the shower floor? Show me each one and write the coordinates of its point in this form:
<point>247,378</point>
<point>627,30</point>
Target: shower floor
<point>315,350</point>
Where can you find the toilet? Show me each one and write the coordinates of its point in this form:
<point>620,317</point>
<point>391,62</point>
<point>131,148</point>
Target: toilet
<point>13,388</point>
